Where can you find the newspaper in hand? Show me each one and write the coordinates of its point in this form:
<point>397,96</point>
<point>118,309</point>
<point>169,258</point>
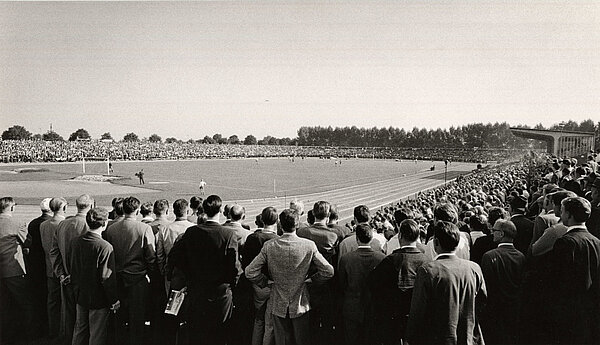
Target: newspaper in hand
<point>175,302</point>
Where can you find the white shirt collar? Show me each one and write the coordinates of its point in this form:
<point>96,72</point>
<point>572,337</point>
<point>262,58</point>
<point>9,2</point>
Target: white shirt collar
<point>365,246</point>
<point>444,254</point>
<point>578,226</point>
<point>409,246</point>
<point>506,244</point>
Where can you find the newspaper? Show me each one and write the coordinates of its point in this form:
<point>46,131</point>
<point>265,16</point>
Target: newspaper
<point>175,302</point>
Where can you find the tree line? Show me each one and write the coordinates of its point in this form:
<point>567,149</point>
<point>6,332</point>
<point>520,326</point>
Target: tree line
<point>496,135</point>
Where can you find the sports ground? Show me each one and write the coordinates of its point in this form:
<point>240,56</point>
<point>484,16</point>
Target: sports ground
<point>254,184</point>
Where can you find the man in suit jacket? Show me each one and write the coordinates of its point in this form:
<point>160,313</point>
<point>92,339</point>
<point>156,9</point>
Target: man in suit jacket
<point>237,214</point>
<point>135,258</point>
<point>208,256</point>
<point>349,244</point>
<point>394,279</point>
<point>94,280</point>
<point>447,293</point>
<point>516,207</point>
<point>573,283</point>
<point>60,255</point>
<point>503,271</point>
<point>354,269</point>
<point>263,320</point>
<point>47,232</point>
<point>16,313</point>
<point>288,260</point>
<point>36,268</point>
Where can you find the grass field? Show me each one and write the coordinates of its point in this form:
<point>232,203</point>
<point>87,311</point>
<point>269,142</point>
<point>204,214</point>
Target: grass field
<point>268,182</point>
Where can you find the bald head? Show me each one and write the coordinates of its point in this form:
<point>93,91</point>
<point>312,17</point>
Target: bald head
<point>236,213</point>
<point>58,204</point>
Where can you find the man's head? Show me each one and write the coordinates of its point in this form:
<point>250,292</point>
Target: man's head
<point>403,213</point>
<point>297,206</point>
<point>146,209</point>
<point>195,202</point>
<point>445,212</point>
<point>237,213</point>
<point>226,211</point>
<point>496,213</point>
<point>212,206</point>
<point>517,204</point>
<point>409,231</point>
<point>131,205</point>
<point>7,204</point>
<point>556,199</point>
<point>364,233</point>
<point>161,207</point>
<point>575,211</point>
<point>361,214</point>
<point>446,237</point>
<point>333,214</point>
<point>45,205</point>
<point>289,220</point>
<point>97,218</point>
<point>321,210</point>
<point>180,207</point>
<point>478,222</point>
<point>58,205</point>
<point>268,216</point>
<point>84,202</point>
<point>118,206</point>
<point>504,231</point>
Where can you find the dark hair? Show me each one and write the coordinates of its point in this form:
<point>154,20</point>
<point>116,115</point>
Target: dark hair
<point>478,222</point>
<point>578,207</point>
<point>161,206</point>
<point>559,196</point>
<point>361,213</point>
<point>195,202</point>
<point>6,202</point>
<point>289,220</point>
<point>310,217</point>
<point>146,209</point>
<point>447,235</point>
<point>118,206</point>
<point>446,212</point>
<point>96,218</point>
<point>212,205</point>
<point>226,210</point>
<point>409,230</point>
<point>179,207</point>
<point>364,233</point>
<point>259,222</point>
<point>321,209</point>
<point>130,205</point>
<point>268,216</point>
<point>402,214</point>
<point>496,213</point>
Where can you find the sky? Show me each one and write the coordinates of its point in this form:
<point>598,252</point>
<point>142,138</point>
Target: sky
<point>190,69</point>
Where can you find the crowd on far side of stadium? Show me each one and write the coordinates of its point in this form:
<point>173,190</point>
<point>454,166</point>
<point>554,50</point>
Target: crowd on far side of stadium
<point>12,151</point>
<point>506,255</point>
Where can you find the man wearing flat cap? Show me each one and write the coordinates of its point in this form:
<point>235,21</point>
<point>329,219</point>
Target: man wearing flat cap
<point>516,206</point>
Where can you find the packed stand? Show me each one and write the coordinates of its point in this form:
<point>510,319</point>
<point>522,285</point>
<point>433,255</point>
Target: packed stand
<point>508,255</point>
<point>13,151</point>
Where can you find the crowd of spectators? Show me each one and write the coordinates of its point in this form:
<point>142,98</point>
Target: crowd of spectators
<point>506,255</point>
<point>67,151</point>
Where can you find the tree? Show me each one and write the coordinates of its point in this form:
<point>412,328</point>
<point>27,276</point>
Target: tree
<point>52,136</point>
<point>217,138</point>
<point>155,138</point>
<point>208,140</point>
<point>16,132</point>
<point>79,134</point>
<point>37,136</point>
<point>106,136</point>
<point>131,137</point>
<point>171,140</point>
<point>233,140</point>
<point>250,140</point>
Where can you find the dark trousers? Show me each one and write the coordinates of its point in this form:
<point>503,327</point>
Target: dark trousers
<point>290,331</point>
<point>91,326</point>
<point>133,311</point>
<point>209,317</point>
<point>16,308</point>
<point>53,302</point>
<point>68,312</point>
